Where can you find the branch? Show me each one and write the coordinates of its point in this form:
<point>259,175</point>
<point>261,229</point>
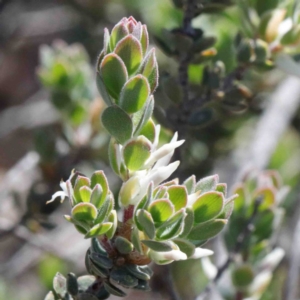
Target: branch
<point>185,57</point>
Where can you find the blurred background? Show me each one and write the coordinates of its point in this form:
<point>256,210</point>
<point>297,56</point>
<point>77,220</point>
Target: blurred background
<point>49,125</point>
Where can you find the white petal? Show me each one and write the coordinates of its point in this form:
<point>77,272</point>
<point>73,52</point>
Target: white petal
<point>129,190</point>
<point>162,173</point>
<point>209,269</point>
<point>200,252</point>
<point>60,194</point>
<point>272,259</point>
<point>161,257</point>
<point>156,138</point>
<point>260,283</point>
<point>166,151</point>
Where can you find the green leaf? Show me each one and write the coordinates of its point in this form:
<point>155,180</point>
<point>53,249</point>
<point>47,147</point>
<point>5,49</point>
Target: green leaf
<point>130,51</point>
<point>129,190</point>
<point>268,197</point>
<point>122,277</point>
<point>97,247</point>
<point>101,260</point>
<point>81,181</point>
<point>98,270</point>
<point>96,196</point>
<point>188,222</point>
<point>60,284</point>
<point>113,155</point>
<point>144,39</point>
<point>208,230</point>
<point>136,152</point>
<point>178,196</point>
<point>85,281</point>
<point>114,220</point>
<point>142,285</point>
<point>227,211</point>
<point>85,193</point>
<point>160,192</point>
<point>102,293</point>
<point>172,227</point>
<point>158,246</point>
<point>222,188</point>
<point>118,32</point>
<point>185,246</point>
<point>106,41</point>
<point>117,123</point>
<point>114,74</point>
<point>242,276</point>
<point>113,289</point>
<point>207,184</point>
<point>138,271</point>
<point>145,220</point>
<point>102,90</point>
<point>135,239</point>
<point>172,89</point>
<point>134,94</point>
<point>161,210</point>
<point>123,245</point>
<point>84,212</point>
<point>104,210</point>
<point>149,69</point>
<point>98,229</point>
<point>148,130</point>
<point>50,296</point>
<point>99,177</point>
<point>144,203</point>
<point>208,206</point>
<point>140,118</point>
<point>190,184</point>
<point>244,51</point>
<point>241,199</point>
<point>203,43</point>
<point>72,284</point>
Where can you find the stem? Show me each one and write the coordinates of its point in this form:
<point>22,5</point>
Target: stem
<point>239,296</point>
<point>128,213</point>
<point>185,57</point>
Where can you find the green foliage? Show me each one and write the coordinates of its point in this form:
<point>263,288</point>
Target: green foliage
<point>66,72</point>
<point>167,221</point>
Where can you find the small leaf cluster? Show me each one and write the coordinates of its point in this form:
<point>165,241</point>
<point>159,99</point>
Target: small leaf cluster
<point>267,31</point>
<point>92,204</point>
<point>174,219</point>
<point>113,267</point>
<point>127,75</point>
<point>82,288</point>
<point>194,44</point>
<point>65,71</point>
<point>253,269</point>
<point>162,222</point>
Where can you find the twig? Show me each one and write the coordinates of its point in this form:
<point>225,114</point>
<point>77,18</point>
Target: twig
<point>187,29</point>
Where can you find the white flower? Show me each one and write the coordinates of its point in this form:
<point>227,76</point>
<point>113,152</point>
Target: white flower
<point>163,258</point>
<point>135,188</point>
<point>201,252</point>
